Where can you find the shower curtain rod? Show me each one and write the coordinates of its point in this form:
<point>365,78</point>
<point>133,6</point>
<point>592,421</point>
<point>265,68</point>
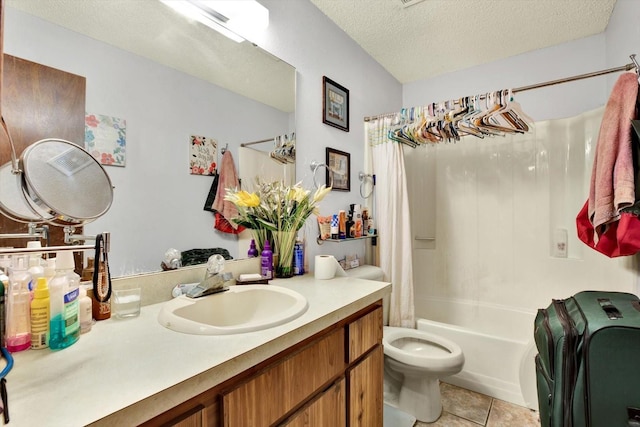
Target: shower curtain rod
<point>627,67</point>
<point>246,144</point>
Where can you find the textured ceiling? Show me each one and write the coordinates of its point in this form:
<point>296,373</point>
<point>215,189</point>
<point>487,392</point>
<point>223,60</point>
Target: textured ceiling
<point>152,30</point>
<point>434,37</point>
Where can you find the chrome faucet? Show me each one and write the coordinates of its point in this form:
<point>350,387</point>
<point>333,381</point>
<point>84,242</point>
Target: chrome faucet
<point>214,279</point>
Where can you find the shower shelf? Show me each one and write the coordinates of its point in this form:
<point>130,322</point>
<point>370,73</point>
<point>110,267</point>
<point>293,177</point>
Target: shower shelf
<point>371,236</point>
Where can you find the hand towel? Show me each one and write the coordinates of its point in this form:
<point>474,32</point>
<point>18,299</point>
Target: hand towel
<point>612,177</point>
<point>228,178</point>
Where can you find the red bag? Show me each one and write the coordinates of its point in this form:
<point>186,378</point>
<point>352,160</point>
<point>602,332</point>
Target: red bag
<point>620,238</point>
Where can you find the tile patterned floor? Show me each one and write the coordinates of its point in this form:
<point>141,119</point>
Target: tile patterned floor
<point>466,408</point>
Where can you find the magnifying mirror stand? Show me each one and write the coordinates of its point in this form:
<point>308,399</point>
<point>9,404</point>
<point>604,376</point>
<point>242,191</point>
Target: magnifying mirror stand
<point>35,232</point>
<point>70,238</point>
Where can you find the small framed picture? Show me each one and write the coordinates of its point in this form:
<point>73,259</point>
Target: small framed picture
<point>335,104</point>
<point>339,163</point>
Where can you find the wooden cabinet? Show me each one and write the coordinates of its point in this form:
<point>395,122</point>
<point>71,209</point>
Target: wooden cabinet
<point>327,410</point>
<point>334,378</point>
<point>366,391</point>
<point>272,394</point>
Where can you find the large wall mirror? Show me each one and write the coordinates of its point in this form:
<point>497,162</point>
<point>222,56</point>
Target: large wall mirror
<point>164,79</point>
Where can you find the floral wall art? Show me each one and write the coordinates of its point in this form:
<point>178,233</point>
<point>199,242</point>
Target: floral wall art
<point>203,155</point>
<point>105,138</point>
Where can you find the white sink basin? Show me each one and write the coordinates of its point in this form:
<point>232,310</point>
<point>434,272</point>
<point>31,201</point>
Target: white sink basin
<point>241,309</point>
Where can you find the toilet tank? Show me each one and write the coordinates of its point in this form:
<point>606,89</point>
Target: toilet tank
<point>371,272</point>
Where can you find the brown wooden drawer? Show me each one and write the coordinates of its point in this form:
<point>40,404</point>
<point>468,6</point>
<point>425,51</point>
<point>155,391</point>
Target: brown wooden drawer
<point>366,391</point>
<point>364,333</point>
<point>280,388</point>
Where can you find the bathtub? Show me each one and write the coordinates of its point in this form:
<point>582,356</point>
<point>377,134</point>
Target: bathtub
<point>497,343</point>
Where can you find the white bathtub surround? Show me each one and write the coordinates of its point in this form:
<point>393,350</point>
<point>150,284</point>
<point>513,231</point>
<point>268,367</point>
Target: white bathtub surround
<point>392,219</point>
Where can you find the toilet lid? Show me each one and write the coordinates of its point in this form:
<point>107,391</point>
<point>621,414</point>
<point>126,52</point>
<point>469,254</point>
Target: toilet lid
<point>418,348</point>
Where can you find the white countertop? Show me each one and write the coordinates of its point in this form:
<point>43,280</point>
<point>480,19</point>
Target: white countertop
<point>138,361</point>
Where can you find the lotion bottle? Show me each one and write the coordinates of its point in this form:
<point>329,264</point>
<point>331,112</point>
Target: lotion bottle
<point>86,319</point>
<point>18,326</point>
<point>266,261</point>
<point>40,315</point>
<point>64,294</point>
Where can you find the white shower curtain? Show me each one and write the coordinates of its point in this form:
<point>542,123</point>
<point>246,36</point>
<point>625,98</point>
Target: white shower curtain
<point>392,219</point>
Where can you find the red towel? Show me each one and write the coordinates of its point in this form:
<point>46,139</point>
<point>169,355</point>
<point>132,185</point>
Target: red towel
<point>228,178</point>
<point>612,177</point>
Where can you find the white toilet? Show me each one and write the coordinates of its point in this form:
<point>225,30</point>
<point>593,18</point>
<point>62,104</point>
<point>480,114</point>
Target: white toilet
<point>414,361</point>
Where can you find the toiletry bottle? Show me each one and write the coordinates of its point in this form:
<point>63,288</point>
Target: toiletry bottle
<point>335,227</point>
<point>253,252</point>
<point>298,259</point>
<point>4,287</point>
<point>35,269</point>
<point>64,328</point>
<point>342,225</point>
<point>266,261</point>
<point>86,319</point>
<point>18,307</point>
<point>40,315</point>
<point>350,228</point>
<point>101,310</point>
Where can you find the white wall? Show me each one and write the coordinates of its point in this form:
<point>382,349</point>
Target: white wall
<point>163,107</point>
<point>302,35</point>
<point>494,205</point>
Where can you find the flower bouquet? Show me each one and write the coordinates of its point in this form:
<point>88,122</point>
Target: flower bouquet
<point>276,212</point>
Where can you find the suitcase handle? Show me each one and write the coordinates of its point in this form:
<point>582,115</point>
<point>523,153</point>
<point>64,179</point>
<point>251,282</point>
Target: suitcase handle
<point>612,313</point>
<point>634,417</point>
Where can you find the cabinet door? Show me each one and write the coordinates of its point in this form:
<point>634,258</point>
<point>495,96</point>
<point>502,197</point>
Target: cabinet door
<point>364,333</point>
<point>270,395</point>
<point>366,391</point>
<point>329,409</point>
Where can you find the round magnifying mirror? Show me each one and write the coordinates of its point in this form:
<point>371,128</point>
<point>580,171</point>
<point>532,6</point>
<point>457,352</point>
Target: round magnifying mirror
<point>64,182</point>
<point>12,202</point>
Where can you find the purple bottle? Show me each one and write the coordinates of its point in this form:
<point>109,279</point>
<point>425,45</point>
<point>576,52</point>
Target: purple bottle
<point>253,252</point>
<point>266,261</point>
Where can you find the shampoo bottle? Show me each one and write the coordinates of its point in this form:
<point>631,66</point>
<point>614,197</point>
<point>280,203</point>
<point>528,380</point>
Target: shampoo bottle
<point>64,327</point>
<point>266,261</point>
<point>18,326</point>
<point>40,315</point>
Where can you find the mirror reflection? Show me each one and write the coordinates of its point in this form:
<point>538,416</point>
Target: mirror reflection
<point>165,81</point>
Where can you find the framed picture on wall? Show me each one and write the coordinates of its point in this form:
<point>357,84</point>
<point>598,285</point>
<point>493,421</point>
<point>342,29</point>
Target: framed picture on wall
<point>339,163</point>
<point>335,104</point>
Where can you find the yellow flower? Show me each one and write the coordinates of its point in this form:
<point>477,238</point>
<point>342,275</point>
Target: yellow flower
<point>246,199</point>
<point>297,193</point>
<point>321,192</point>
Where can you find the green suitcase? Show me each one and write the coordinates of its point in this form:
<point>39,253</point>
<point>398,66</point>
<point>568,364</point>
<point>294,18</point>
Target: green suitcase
<point>588,362</point>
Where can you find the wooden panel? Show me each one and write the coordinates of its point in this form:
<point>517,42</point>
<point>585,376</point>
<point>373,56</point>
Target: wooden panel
<point>366,391</point>
<point>195,420</point>
<point>329,409</point>
<point>365,333</point>
<point>270,395</point>
<point>211,415</point>
<point>38,102</point>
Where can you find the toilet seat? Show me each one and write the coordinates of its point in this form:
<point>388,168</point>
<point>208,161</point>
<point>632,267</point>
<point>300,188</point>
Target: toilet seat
<point>432,352</point>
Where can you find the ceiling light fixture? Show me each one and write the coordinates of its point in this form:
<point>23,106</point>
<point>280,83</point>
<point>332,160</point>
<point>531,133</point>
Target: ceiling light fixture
<point>235,19</point>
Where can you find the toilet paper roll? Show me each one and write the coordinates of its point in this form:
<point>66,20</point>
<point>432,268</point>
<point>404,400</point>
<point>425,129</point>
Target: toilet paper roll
<point>327,267</point>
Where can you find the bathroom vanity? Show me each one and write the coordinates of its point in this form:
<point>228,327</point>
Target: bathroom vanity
<point>323,368</point>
